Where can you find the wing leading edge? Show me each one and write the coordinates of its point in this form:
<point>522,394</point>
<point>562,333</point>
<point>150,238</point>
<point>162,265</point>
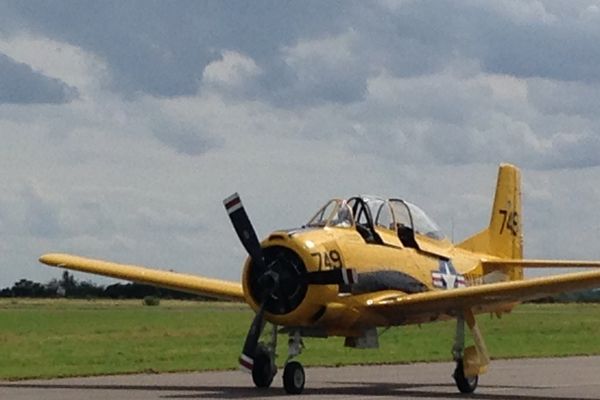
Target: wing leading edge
<point>216,288</point>
<point>450,301</point>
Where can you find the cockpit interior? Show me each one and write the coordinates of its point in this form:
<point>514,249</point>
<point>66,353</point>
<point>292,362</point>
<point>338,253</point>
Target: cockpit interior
<point>370,214</point>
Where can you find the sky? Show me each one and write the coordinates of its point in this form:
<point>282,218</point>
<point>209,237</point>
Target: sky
<point>124,124</point>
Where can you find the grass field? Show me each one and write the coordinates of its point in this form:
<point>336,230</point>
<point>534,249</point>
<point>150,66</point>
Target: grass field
<point>51,338</point>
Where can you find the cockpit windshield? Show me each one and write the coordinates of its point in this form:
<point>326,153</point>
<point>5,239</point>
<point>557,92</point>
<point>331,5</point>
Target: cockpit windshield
<point>335,213</point>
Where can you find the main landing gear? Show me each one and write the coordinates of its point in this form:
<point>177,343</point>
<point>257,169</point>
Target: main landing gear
<point>471,361</point>
<point>264,368</point>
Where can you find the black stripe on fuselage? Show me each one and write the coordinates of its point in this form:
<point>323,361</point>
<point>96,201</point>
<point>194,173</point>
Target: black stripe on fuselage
<point>387,280</point>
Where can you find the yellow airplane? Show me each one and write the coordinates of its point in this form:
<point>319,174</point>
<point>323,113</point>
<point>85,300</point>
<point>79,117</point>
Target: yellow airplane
<point>368,263</point>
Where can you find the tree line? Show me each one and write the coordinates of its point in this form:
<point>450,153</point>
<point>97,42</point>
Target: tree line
<point>69,287</point>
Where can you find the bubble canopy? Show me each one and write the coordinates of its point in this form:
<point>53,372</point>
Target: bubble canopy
<point>373,211</point>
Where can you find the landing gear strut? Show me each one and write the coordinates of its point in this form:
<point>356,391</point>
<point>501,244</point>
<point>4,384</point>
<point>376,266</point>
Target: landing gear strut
<point>471,361</point>
<point>293,373</point>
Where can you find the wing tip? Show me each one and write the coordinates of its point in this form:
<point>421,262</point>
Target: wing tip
<point>52,259</point>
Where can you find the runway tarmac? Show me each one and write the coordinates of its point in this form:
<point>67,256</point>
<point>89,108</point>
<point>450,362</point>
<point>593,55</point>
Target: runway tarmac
<point>526,379</point>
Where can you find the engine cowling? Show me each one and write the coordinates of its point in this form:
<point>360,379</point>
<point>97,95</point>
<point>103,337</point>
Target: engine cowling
<point>289,269</point>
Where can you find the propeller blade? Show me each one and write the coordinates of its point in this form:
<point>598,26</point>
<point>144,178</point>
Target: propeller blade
<point>249,350</point>
<point>243,228</point>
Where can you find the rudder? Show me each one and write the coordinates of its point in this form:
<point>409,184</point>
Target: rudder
<point>503,237</point>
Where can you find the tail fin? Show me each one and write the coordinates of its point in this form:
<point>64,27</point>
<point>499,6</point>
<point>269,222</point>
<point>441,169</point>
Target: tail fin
<point>503,237</point>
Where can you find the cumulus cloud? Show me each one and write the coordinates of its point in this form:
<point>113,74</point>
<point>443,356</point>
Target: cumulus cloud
<point>552,97</point>
<point>183,138</point>
<point>160,49</point>
<point>234,72</point>
<point>524,13</point>
<point>326,69</point>
<point>83,71</point>
<point>20,84</point>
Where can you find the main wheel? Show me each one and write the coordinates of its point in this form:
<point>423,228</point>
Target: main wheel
<point>264,368</point>
<point>293,378</point>
<point>463,383</point>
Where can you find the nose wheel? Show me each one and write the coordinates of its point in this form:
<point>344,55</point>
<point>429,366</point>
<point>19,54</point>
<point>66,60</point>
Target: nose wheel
<point>264,369</point>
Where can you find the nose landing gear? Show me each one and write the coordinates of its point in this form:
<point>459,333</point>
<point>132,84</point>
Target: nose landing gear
<point>264,368</point>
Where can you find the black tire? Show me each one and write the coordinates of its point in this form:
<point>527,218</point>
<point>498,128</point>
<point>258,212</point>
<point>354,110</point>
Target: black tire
<point>464,384</point>
<point>264,368</point>
<point>293,378</point>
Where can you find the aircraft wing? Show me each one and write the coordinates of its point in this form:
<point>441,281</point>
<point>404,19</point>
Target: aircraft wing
<point>449,301</point>
<point>172,280</point>
<point>531,263</point>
